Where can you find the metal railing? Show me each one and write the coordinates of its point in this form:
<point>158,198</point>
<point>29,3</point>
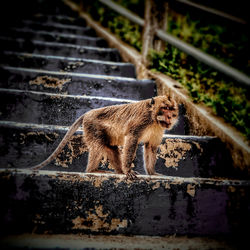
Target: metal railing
<point>183,46</point>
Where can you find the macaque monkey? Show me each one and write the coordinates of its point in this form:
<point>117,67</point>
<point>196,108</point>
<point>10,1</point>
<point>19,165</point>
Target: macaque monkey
<point>123,125</point>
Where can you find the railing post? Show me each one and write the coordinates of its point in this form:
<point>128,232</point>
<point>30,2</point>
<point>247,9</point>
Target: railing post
<point>162,24</point>
<point>148,30</point>
<point>155,17</point>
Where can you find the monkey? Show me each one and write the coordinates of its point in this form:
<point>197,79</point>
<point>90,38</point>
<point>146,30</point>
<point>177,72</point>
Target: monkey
<point>125,125</point>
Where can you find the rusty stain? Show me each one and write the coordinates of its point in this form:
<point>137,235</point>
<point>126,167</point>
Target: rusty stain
<point>198,146</point>
<point>73,65</point>
<point>231,189</point>
<point>49,82</point>
<point>97,220</point>
<point>156,185</point>
<point>172,151</point>
<point>29,134</point>
<point>76,148</point>
<point>191,189</point>
<point>65,177</point>
<point>98,182</point>
<point>38,219</point>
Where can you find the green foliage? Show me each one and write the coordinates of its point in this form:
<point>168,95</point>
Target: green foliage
<point>206,86</point>
<point>119,25</point>
<point>224,42</point>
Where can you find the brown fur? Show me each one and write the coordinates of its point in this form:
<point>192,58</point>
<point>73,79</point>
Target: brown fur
<point>123,125</point>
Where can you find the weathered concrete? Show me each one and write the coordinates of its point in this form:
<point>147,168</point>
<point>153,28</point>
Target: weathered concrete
<point>54,37</point>
<point>61,49</point>
<point>59,18</point>
<point>57,27</point>
<point>45,108</point>
<point>45,201</point>
<point>71,203</point>
<point>118,242</point>
<point>64,109</point>
<point>67,64</point>
<point>76,84</point>
<point>25,145</point>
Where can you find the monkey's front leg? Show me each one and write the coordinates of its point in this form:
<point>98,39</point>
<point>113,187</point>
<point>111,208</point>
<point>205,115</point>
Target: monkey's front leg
<point>128,155</point>
<point>150,152</point>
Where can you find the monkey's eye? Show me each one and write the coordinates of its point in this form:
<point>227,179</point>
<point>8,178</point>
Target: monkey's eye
<point>168,108</point>
<point>165,108</point>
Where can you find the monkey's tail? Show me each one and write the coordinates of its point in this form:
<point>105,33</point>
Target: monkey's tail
<point>61,145</point>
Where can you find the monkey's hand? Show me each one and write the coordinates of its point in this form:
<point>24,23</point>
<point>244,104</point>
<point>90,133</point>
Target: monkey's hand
<point>131,175</point>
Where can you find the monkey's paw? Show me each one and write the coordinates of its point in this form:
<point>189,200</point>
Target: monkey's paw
<point>131,175</point>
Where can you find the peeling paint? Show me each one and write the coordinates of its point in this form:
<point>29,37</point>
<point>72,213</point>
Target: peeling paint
<point>97,220</point>
<point>191,189</point>
<point>49,82</point>
<point>38,219</point>
<point>73,65</point>
<point>76,147</point>
<point>198,146</point>
<point>172,151</point>
<point>156,185</point>
<point>98,182</point>
<point>231,189</point>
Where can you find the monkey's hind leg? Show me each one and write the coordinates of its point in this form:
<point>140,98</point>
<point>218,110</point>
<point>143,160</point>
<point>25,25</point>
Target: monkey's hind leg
<point>93,161</point>
<point>114,157</point>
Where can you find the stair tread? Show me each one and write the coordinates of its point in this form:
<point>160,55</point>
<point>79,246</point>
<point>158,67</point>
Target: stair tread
<point>61,49</point>
<point>67,64</point>
<point>178,155</point>
<point>54,37</point>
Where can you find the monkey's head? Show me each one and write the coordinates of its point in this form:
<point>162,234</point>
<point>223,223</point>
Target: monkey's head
<point>165,111</point>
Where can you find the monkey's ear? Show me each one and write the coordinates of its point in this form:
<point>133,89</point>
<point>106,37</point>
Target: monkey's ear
<point>152,101</point>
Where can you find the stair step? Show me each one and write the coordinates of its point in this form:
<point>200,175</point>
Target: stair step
<point>60,49</point>
<point>118,242</point>
<point>57,27</point>
<point>62,19</point>
<point>76,83</point>
<point>184,156</point>
<point>67,64</point>
<point>49,108</point>
<point>60,202</point>
<point>29,34</point>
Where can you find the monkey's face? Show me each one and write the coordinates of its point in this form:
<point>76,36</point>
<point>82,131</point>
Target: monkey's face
<point>167,112</point>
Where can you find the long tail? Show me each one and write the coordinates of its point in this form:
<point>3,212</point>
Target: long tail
<point>62,144</point>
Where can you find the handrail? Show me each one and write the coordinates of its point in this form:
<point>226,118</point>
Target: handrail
<point>213,11</point>
<point>185,47</point>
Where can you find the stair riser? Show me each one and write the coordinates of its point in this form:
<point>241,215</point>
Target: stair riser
<point>64,203</point>
<point>67,65</point>
<point>57,27</point>
<point>59,49</point>
<point>55,37</point>
<point>90,85</point>
<point>47,18</point>
<point>46,109</point>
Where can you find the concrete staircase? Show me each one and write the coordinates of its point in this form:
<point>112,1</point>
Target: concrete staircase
<point>53,69</point>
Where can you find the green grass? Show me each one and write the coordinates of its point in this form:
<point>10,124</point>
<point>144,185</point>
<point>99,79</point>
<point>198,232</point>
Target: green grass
<point>119,25</point>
